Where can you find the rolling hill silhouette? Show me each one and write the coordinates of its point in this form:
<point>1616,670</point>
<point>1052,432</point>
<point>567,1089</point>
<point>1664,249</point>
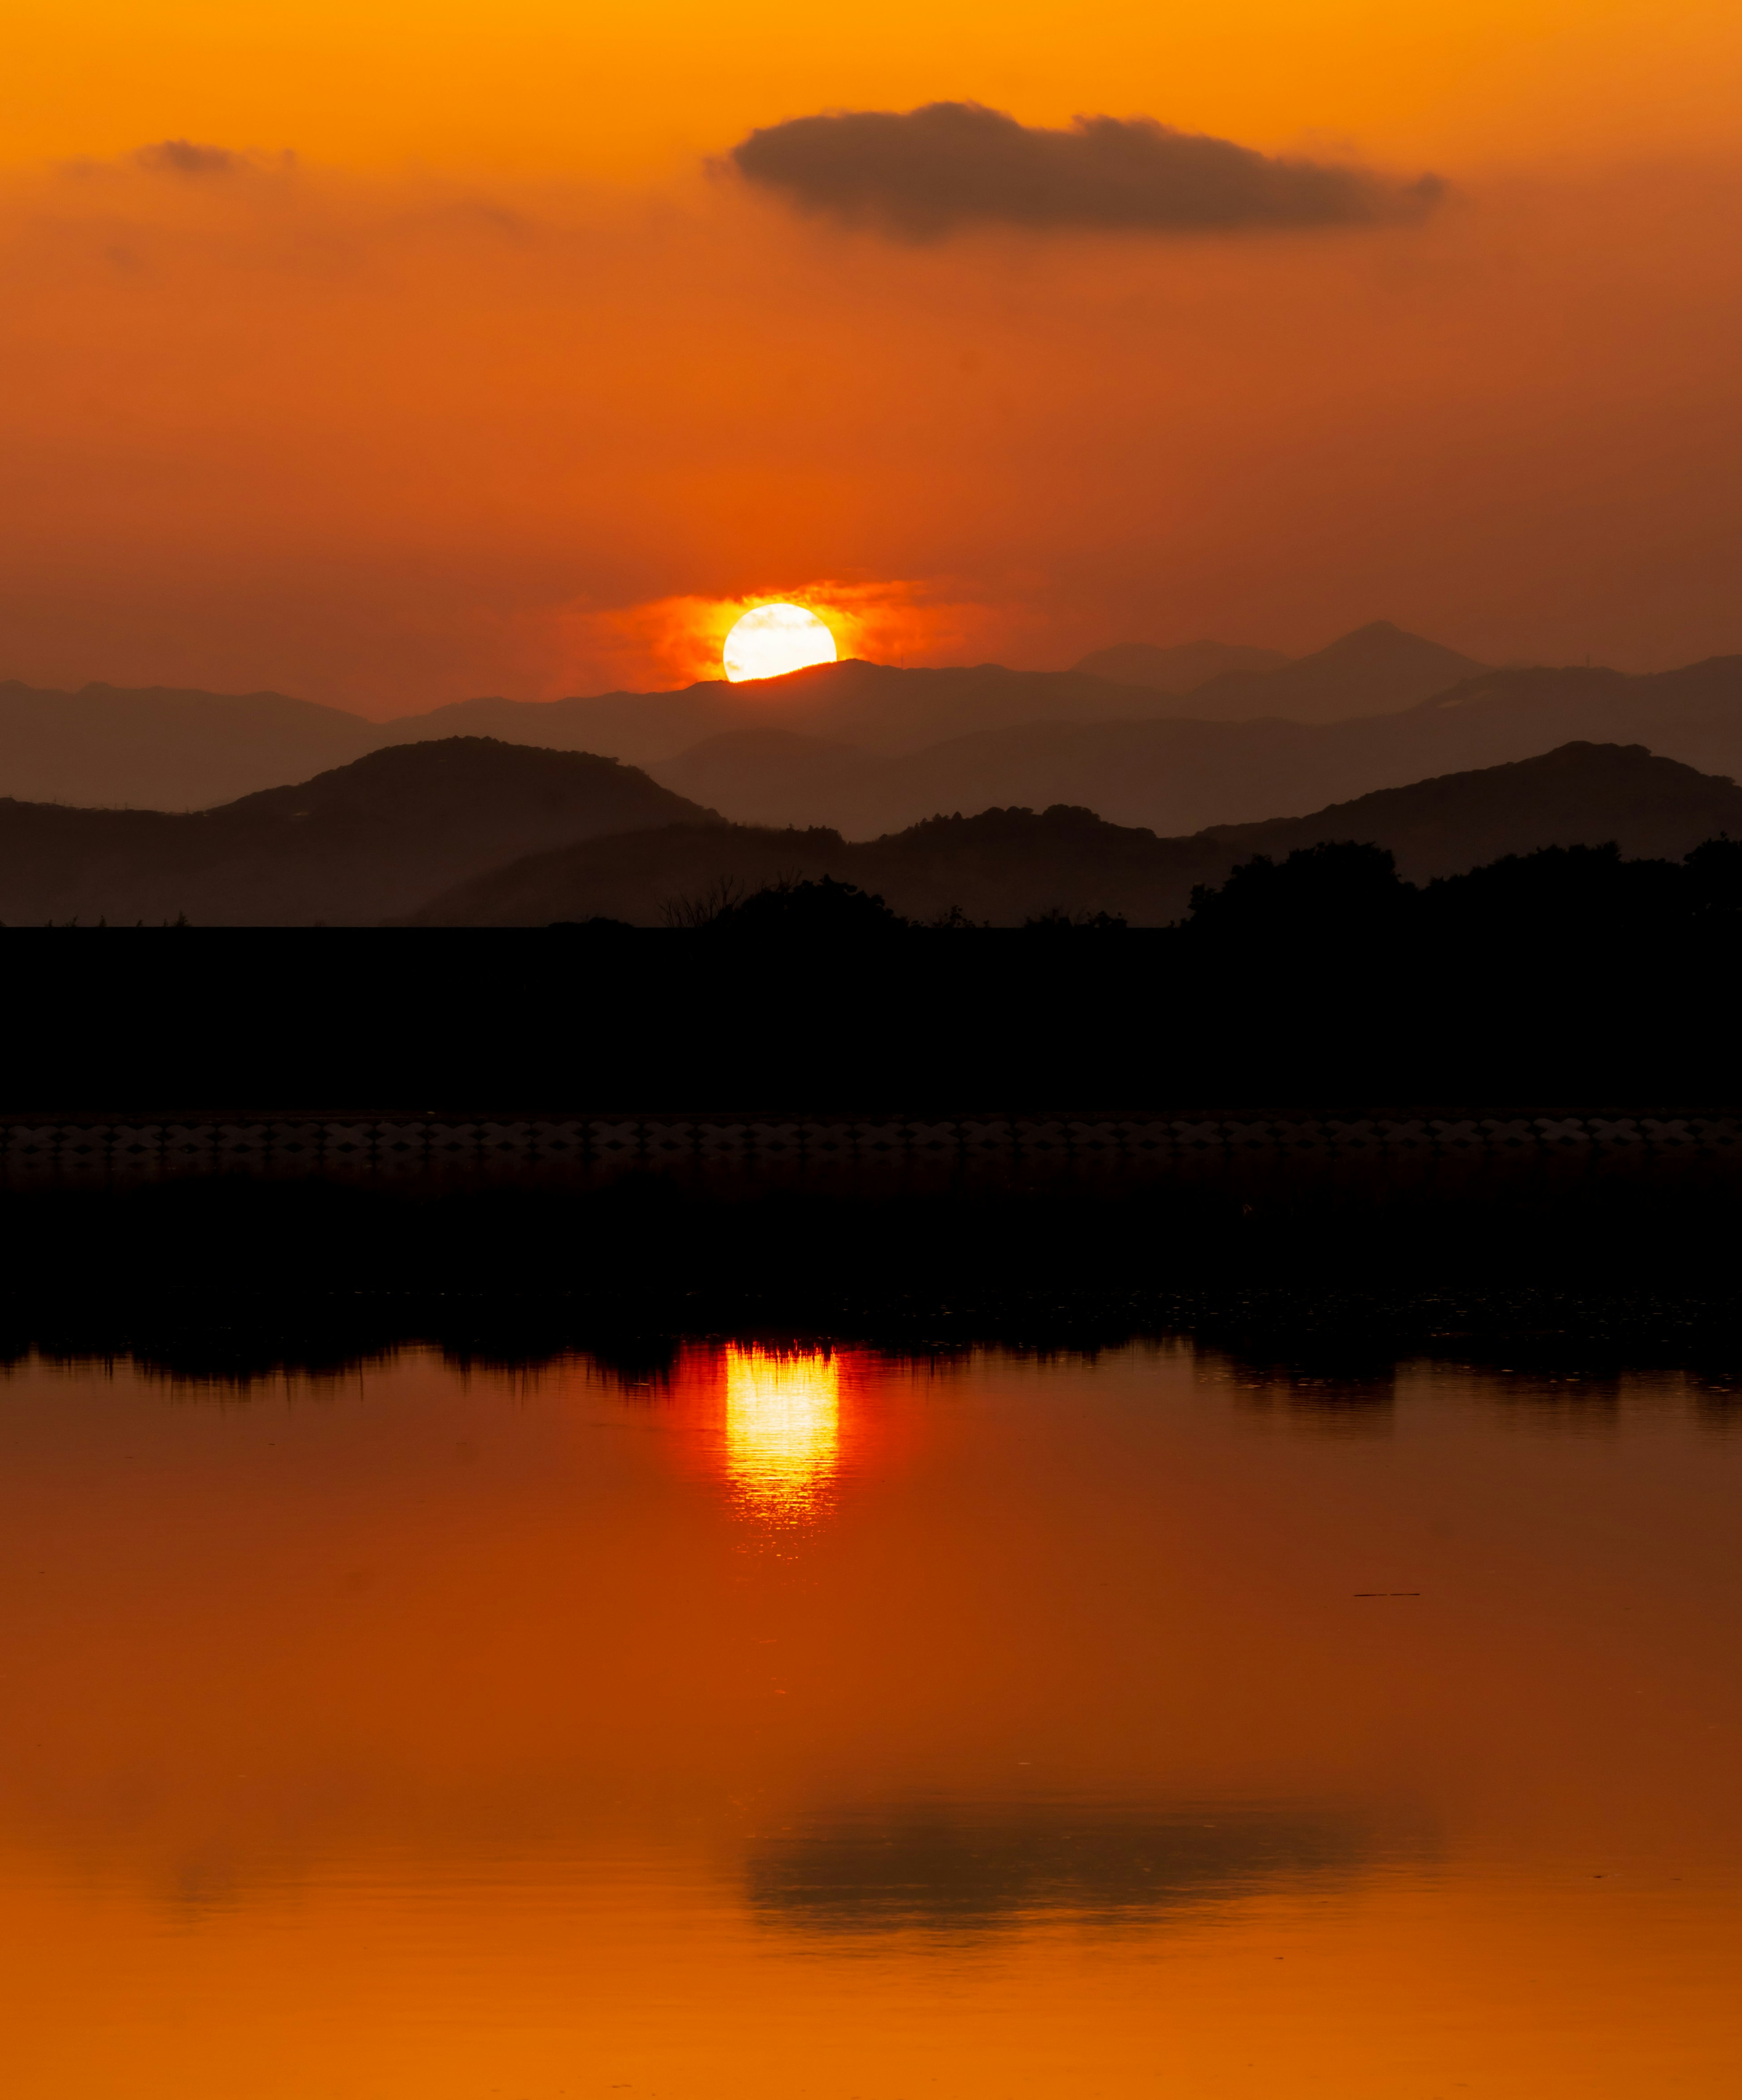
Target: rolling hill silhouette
<point>350,847</point>
<point>1008,865</point>
<point>1581,794</point>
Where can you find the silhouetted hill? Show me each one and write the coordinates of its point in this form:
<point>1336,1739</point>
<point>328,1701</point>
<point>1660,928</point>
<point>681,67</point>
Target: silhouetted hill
<point>1182,776</point>
<point>1006,866</point>
<point>1693,713</point>
<point>156,748</point>
<point>1377,670</point>
<point>1180,669</point>
<point>1582,794</point>
<point>1003,866</point>
<point>352,846</point>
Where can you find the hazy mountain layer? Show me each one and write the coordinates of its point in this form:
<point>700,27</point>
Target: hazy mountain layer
<point>1006,865</point>
<point>349,848</point>
<point>1184,775</point>
<point>865,749</point>
<point>155,748</point>
<point>874,708</point>
<point>1377,670</point>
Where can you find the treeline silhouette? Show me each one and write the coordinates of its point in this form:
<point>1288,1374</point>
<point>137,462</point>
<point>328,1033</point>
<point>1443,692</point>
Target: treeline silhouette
<point>1570,976</point>
<point>1350,897</point>
<point>1339,897</point>
<point>1323,1347</point>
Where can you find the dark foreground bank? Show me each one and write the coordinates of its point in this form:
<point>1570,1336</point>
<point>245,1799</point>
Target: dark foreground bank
<point>1022,1252</point>
<point>1325,1345</point>
<point>1307,1013</point>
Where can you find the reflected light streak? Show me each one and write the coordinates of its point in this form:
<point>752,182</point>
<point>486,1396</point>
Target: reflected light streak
<point>782,1428</point>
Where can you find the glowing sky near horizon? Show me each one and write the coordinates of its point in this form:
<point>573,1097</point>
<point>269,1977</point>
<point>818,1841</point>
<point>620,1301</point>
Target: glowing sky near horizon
<point>502,384</point>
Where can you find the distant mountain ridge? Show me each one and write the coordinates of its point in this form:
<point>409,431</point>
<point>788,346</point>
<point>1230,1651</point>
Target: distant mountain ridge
<point>1006,865</point>
<point>1177,774</point>
<point>161,748</point>
<point>865,749</point>
<point>1377,670</point>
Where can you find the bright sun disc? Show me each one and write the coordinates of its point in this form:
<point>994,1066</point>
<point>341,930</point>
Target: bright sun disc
<point>774,639</point>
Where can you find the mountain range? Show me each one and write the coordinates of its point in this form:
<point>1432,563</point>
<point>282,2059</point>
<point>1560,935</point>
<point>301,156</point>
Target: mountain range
<point>1180,774</point>
<point>1376,670</point>
<point>865,749</point>
<point>1005,866</point>
<point>471,830</point>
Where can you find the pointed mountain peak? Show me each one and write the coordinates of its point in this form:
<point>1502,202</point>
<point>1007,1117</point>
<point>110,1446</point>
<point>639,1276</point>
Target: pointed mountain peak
<point>1383,641</point>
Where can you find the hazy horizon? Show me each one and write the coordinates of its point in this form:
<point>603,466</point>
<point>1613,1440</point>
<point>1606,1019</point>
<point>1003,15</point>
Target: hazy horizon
<point>415,704</point>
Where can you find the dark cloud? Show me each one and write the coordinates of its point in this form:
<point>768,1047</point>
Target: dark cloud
<point>953,164</point>
<point>960,1868</point>
<point>181,156</point>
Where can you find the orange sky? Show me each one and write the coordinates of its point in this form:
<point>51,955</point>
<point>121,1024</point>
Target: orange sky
<point>495,387</point>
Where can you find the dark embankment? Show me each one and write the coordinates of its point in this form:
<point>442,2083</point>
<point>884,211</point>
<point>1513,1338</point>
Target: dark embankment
<point>227,1279</point>
<point>1571,975</point>
<point>1568,978</point>
<point>1324,1351</point>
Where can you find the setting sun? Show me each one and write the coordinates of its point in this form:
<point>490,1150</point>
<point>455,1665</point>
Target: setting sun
<point>774,639</point>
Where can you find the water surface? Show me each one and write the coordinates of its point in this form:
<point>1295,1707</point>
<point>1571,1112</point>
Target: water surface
<point>807,1722</point>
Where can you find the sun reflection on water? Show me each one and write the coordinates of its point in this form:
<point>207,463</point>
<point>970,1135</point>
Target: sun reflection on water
<point>782,1428</point>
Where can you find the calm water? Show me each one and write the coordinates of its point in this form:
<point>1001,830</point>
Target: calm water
<point>820,1726</point>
